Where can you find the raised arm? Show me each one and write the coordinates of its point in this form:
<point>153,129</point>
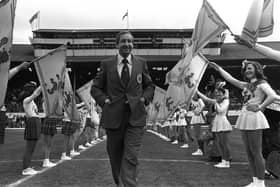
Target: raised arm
<point>15,70</point>
<point>35,94</point>
<point>227,76</point>
<point>267,51</point>
<point>264,50</point>
<point>205,98</point>
<point>278,97</point>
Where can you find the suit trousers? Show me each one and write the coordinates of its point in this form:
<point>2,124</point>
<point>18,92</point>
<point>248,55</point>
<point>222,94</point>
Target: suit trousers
<point>123,146</point>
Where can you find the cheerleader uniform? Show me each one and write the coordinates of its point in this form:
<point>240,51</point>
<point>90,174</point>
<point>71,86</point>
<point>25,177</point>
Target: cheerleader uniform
<point>166,123</point>
<point>33,122</point>
<point>49,124</point>
<point>182,119</point>
<point>220,122</point>
<point>173,120</point>
<point>249,120</point>
<point>69,127</point>
<point>197,117</point>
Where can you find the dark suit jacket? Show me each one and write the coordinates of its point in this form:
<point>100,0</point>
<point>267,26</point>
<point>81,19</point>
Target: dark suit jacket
<point>108,84</point>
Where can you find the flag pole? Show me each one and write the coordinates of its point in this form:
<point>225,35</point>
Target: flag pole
<point>39,17</point>
<point>127,21</point>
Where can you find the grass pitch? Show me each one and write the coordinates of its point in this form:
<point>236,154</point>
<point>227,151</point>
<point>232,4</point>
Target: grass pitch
<point>161,164</point>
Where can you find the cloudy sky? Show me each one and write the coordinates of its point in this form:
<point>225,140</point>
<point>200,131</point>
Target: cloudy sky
<point>143,14</point>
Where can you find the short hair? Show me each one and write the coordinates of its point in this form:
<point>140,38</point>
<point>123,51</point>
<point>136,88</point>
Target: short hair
<point>30,84</point>
<point>258,70</point>
<point>118,36</point>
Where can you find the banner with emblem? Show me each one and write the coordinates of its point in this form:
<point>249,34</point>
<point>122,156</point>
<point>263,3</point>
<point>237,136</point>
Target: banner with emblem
<point>180,94</point>
<point>68,100</point>
<point>50,69</point>
<point>192,76</point>
<point>175,96</point>
<point>155,110</point>
<point>175,73</point>
<point>84,93</point>
<point>7,15</point>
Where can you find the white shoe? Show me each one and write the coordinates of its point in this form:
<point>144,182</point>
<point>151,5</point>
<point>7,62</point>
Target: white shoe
<point>98,140</point>
<point>252,184</point>
<point>223,165</point>
<point>93,142</point>
<point>104,137</point>
<point>259,183</point>
<point>48,164</point>
<point>175,142</point>
<point>197,153</point>
<point>74,153</point>
<point>185,146</point>
<point>82,147</point>
<point>64,157</point>
<point>29,171</point>
<point>88,144</point>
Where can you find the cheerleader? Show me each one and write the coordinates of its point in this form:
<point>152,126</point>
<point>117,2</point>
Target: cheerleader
<point>182,123</point>
<point>166,127</point>
<point>48,130</point>
<point>197,121</point>
<point>257,94</point>
<point>221,125</point>
<point>33,125</point>
<point>174,124</point>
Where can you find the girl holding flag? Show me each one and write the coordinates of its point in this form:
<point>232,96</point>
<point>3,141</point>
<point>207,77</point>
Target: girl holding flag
<point>257,94</point>
<point>33,125</point>
<point>221,125</point>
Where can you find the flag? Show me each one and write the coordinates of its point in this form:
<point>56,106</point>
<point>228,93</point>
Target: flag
<point>267,22</point>
<point>181,94</point>
<point>208,25</point>
<point>125,15</point>
<point>156,112</point>
<point>84,93</point>
<point>68,100</point>
<point>34,20</point>
<point>50,69</point>
<point>173,76</point>
<point>192,76</point>
<point>259,22</point>
<point>7,15</point>
<point>175,96</point>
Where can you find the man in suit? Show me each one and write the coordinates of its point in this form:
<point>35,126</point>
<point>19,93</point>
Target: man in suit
<point>122,88</point>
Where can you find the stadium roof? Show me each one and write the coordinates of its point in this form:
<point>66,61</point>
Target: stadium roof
<point>230,51</point>
<point>111,30</point>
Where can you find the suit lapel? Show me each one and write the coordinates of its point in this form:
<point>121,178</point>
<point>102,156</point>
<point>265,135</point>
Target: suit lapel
<point>133,70</point>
